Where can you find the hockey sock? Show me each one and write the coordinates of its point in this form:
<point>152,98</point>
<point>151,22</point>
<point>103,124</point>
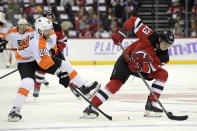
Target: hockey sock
<point>157,88</point>
<point>27,85</point>
<point>103,94</point>
<point>39,79</point>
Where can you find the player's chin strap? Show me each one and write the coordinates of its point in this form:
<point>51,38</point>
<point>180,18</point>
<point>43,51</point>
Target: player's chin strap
<point>169,114</point>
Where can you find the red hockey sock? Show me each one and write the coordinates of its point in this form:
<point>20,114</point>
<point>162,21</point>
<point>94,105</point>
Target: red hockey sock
<point>152,98</point>
<point>37,85</point>
<point>96,101</point>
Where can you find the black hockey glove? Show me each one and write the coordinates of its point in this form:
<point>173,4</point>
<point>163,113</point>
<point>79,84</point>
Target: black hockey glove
<point>64,79</point>
<point>3,45</point>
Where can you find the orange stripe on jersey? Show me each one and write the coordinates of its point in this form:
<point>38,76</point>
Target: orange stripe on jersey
<point>46,61</point>
<point>29,29</point>
<point>12,30</point>
<point>23,91</point>
<point>18,56</point>
<point>3,35</point>
<point>73,74</point>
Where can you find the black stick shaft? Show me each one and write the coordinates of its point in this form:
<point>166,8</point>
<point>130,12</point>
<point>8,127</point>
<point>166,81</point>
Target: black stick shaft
<point>8,73</point>
<point>107,116</point>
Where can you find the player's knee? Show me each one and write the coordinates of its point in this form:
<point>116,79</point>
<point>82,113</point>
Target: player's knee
<point>161,75</point>
<point>27,83</point>
<point>114,85</point>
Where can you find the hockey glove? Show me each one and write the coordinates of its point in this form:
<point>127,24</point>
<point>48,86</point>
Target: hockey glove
<point>64,79</point>
<point>118,36</point>
<point>3,45</point>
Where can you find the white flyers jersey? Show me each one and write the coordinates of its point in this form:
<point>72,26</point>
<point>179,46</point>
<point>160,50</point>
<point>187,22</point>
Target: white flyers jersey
<point>3,31</point>
<point>35,47</point>
<point>14,37</point>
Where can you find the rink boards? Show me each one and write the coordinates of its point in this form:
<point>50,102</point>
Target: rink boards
<point>104,52</point>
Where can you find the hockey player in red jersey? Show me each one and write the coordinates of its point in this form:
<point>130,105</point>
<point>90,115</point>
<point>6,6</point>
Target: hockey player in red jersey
<point>148,55</point>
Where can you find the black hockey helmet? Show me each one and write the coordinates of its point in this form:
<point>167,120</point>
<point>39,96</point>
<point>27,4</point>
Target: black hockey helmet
<point>48,13</point>
<point>167,36</point>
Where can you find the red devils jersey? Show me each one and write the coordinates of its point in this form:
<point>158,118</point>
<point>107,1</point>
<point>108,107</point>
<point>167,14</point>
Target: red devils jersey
<point>145,48</point>
<point>61,37</point>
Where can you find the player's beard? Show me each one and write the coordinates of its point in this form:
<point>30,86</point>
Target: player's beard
<point>46,37</point>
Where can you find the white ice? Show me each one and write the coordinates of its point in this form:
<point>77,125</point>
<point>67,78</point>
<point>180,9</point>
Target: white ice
<point>57,109</point>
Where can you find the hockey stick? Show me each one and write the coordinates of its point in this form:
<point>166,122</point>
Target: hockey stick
<point>8,73</point>
<point>10,49</point>
<point>169,114</point>
<point>107,116</point>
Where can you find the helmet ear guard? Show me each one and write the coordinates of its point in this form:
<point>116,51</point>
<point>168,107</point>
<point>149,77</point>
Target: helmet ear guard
<point>167,36</point>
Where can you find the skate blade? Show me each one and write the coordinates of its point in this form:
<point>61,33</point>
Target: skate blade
<point>152,114</point>
<point>13,119</point>
<point>93,92</point>
<point>86,116</point>
<point>35,99</point>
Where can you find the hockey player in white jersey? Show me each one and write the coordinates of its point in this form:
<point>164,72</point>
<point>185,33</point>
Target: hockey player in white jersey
<point>34,54</point>
<point>3,31</point>
<point>15,35</point>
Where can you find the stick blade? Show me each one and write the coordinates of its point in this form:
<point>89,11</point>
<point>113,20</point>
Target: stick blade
<point>178,118</point>
<point>121,118</point>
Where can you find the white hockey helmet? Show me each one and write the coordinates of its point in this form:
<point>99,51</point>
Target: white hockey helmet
<point>22,21</point>
<point>42,24</point>
<point>2,17</point>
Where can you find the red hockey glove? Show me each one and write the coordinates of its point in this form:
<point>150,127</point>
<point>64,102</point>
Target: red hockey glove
<point>118,36</point>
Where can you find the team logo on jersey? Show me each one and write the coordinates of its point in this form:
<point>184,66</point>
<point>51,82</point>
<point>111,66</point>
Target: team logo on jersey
<point>23,43</point>
<point>143,57</point>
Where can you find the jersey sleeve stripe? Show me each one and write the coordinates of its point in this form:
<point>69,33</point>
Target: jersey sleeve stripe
<point>136,29</point>
<point>137,22</point>
<point>64,40</point>
<point>73,74</point>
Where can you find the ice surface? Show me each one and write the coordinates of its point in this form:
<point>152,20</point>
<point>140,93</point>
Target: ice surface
<point>57,109</point>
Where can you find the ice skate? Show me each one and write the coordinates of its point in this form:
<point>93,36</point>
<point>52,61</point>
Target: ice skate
<point>90,90</point>
<point>152,111</point>
<point>14,115</point>
<point>89,113</point>
<point>45,82</point>
<point>36,93</point>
